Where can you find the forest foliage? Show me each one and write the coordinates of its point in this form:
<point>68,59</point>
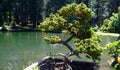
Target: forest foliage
<point>32,12</point>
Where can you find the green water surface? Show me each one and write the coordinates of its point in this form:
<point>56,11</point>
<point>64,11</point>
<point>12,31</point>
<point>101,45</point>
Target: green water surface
<point>18,49</point>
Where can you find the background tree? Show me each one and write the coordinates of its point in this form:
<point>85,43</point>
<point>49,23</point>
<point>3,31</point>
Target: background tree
<point>1,12</point>
<point>36,11</point>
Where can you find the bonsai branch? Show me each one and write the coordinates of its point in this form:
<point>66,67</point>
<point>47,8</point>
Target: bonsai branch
<point>69,47</point>
<point>69,39</point>
<point>72,51</point>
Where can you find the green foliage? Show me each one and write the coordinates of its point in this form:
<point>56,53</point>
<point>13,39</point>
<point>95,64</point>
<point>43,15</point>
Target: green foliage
<point>80,11</point>
<point>90,47</point>
<point>83,13</point>
<point>52,39</point>
<point>117,66</point>
<point>68,10</point>
<point>114,49</point>
<point>54,21</point>
<point>73,20</point>
<point>111,24</point>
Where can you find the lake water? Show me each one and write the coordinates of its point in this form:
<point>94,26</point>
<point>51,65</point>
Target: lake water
<point>20,49</point>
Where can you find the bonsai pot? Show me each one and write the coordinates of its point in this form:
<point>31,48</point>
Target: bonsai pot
<point>51,63</point>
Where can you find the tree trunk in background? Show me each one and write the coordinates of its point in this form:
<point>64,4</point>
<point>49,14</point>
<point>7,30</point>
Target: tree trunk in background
<point>33,12</point>
<point>23,11</point>
<point>99,12</point>
<point>119,19</point>
<point>1,13</point>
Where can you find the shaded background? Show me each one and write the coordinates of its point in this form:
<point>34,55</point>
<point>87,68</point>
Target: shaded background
<point>34,11</point>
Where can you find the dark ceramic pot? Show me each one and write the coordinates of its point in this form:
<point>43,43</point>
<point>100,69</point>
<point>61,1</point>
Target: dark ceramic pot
<point>50,64</point>
<point>80,65</point>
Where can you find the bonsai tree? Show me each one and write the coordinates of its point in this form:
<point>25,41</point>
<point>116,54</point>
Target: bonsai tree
<point>73,19</point>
